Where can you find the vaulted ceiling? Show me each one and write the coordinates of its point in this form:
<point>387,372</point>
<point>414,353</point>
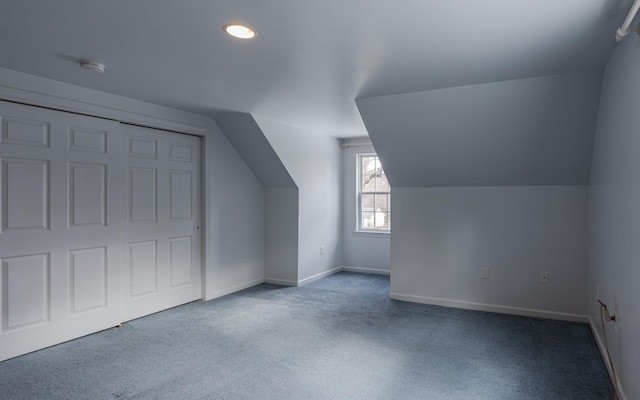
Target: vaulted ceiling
<point>451,92</point>
<point>310,59</point>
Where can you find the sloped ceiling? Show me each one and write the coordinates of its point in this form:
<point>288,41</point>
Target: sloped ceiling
<point>536,131</point>
<point>442,86</point>
<point>311,59</point>
<point>249,141</point>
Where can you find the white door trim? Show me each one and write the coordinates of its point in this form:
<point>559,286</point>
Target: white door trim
<point>33,90</point>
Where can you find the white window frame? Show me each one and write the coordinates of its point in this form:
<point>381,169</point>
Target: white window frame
<point>359,192</point>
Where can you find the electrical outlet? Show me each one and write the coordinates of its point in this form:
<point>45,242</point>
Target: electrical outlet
<point>321,250</point>
<point>544,277</point>
<point>484,273</point>
<point>244,258</point>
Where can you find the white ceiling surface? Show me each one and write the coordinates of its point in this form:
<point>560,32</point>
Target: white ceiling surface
<point>311,59</point>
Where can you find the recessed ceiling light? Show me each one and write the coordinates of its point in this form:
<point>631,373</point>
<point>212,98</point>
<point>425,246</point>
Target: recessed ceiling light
<point>239,31</point>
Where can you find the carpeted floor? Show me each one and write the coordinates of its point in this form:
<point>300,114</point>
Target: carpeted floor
<point>336,338</point>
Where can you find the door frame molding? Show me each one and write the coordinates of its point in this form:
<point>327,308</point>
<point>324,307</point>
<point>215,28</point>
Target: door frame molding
<point>36,91</point>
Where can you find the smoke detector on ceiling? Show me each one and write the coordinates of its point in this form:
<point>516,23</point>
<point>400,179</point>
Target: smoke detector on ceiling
<point>92,65</point>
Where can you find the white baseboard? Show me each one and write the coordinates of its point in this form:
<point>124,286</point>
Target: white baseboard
<point>526,312</point>
<point>324,274</point>
<point>234,289</point>
<point>596,329</point>
<point>285,282</point>
<point>281,282</point>
<point>319,276</point>
<point>361,270</point>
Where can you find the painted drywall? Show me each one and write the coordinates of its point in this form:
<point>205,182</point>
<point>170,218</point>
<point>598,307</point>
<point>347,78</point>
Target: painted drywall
<point>369,252</point>
<point>249,141</point>
<point>442,237</point>
<point>536,131</point>
<point>313,161</point>
<point>235,235</point>
<point>280,208</point>
<point>614,220</point>
<point>232,198</point>
<point>281,236</point>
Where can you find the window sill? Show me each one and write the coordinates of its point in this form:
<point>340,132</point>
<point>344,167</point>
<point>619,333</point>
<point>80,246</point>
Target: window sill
<point>377,234</point>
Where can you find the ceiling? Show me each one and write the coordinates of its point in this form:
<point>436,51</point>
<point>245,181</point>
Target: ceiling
<point>526,132</point>
<point>310,59</point>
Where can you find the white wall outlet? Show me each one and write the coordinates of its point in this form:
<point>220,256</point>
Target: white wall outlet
<point>321,250</point>
<point>484,273</point>
<point>244,258</point>
<point>544,277</point>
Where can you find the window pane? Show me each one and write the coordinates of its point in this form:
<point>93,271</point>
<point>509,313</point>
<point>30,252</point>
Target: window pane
<point>367,220</point>
<point>382,211</point>
<point>368,170</point>
<point>374,191</point>
<point>387,221</point>
<point>382,202</point>
<point>373,178</point>
<point>368,202</point>
<point>376,173</point>
<point>367,214</point>
<point>382,185</point>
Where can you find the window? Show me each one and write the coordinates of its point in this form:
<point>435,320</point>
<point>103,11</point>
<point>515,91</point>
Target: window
<point>374,195</point>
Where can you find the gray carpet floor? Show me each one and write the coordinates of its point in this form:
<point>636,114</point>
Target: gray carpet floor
<point>337,338</point>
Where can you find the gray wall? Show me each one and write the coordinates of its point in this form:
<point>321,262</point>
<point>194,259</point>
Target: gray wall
<point>490,176</point>
<point>442,237</point>
<point>281,236</point>
<point>313,161</point>
<point>280,208</point>
<point>367,252</point>
<point>614,218</point>
<point>236,219</point>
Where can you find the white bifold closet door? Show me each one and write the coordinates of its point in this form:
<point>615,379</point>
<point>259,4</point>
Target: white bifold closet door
<point>161,240</point>
<point>60,229</point>
<point>99,224</point>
